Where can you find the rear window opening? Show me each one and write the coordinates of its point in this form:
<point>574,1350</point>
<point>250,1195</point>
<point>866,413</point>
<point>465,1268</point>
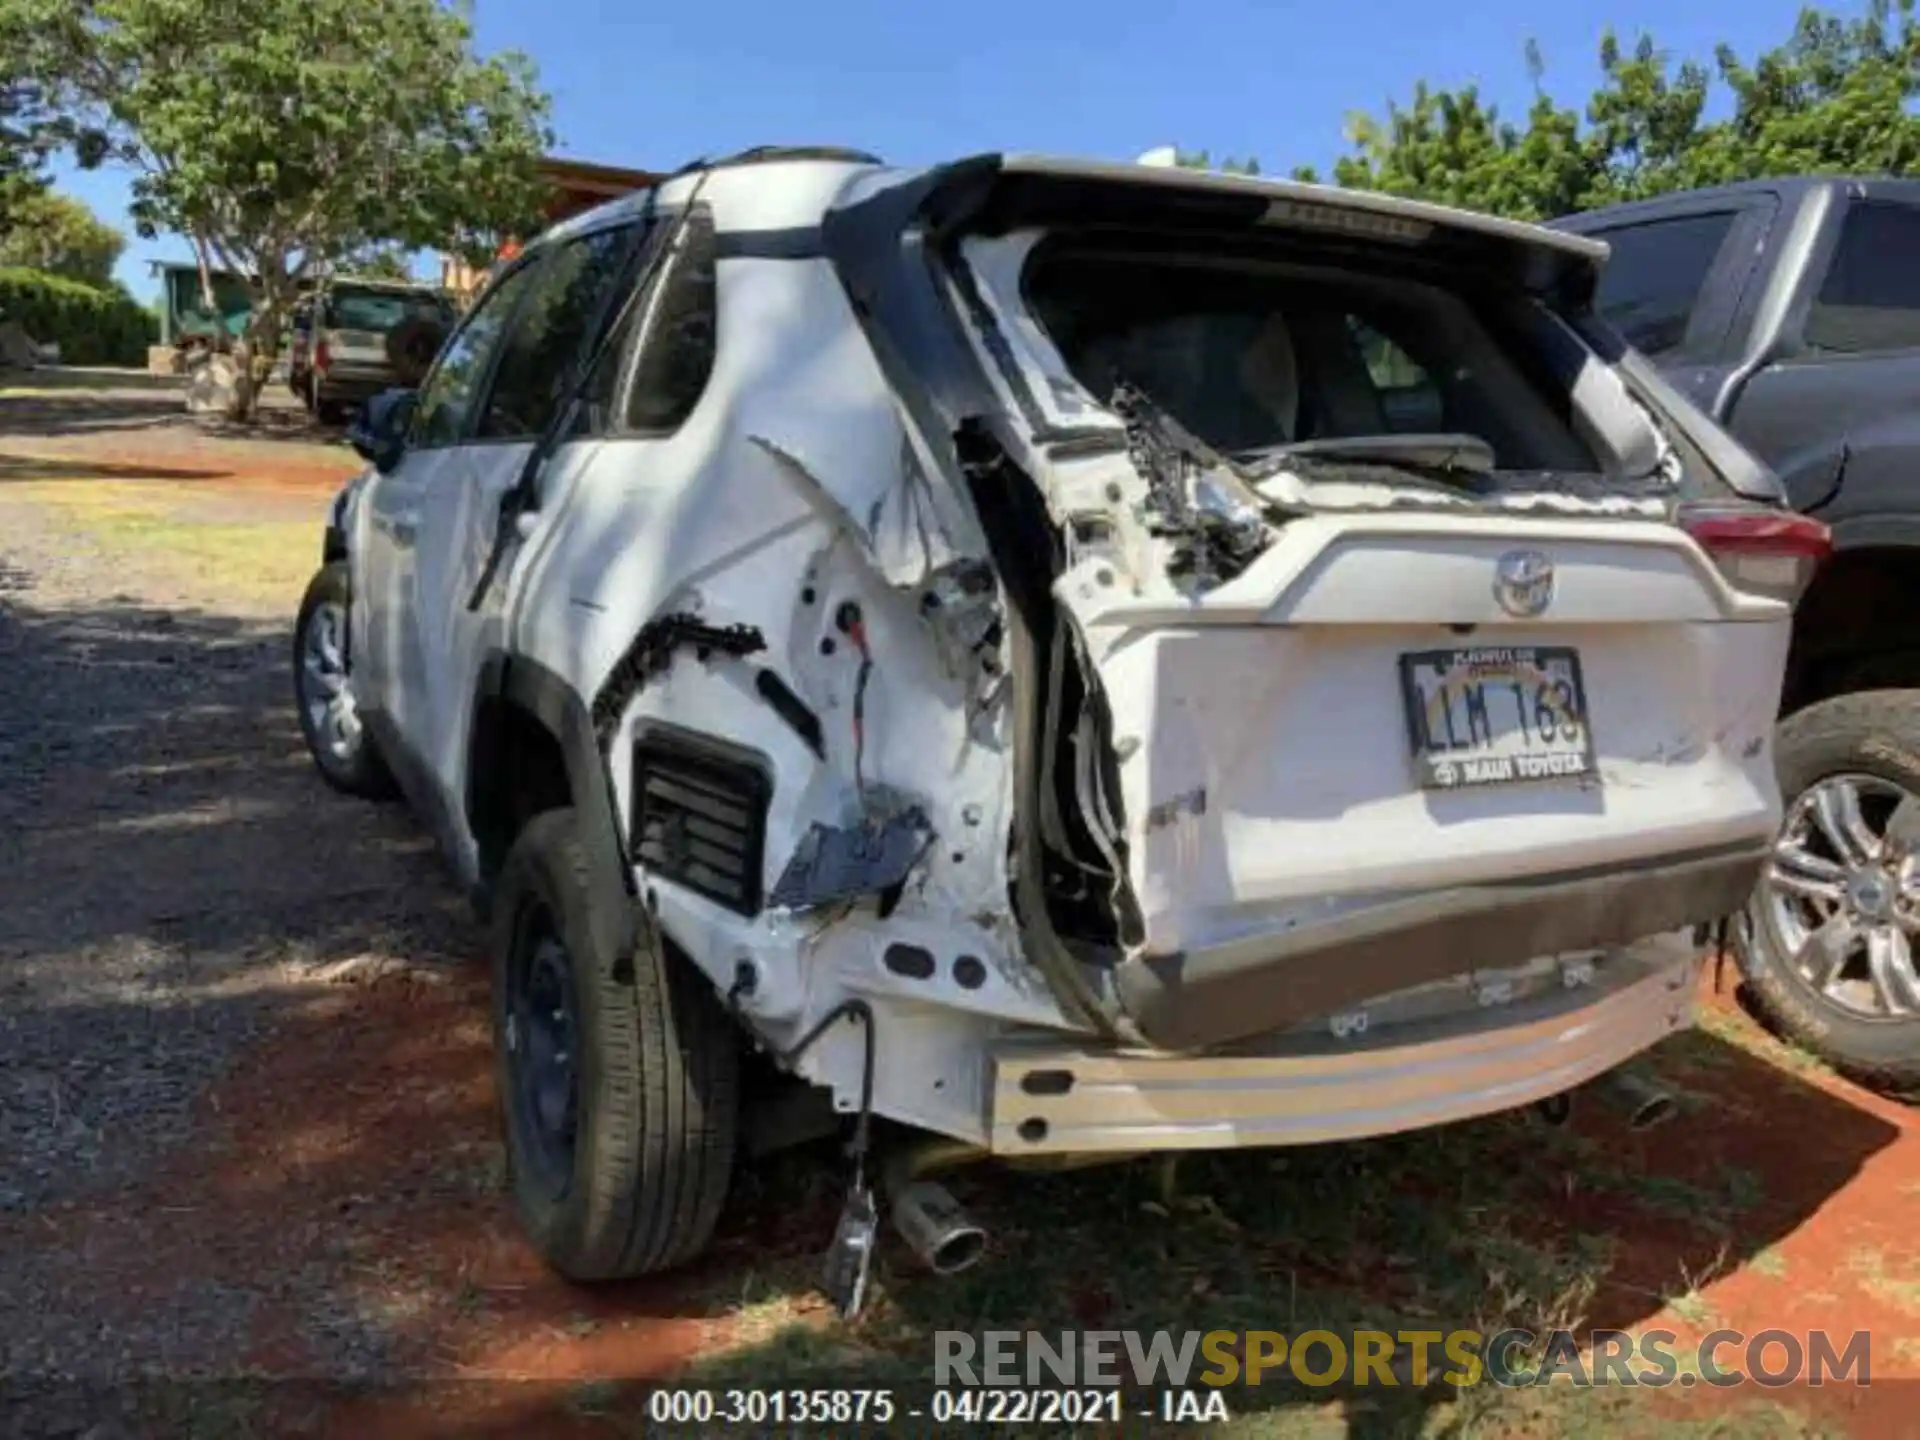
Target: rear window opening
<point>382,310</point>
<point>1251,353</point>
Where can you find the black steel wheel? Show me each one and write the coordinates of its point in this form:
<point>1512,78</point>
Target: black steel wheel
<point>541,1041</point>
<point>617,1067</point>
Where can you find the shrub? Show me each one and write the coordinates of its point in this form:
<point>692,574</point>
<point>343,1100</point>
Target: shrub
<point>90,325</point>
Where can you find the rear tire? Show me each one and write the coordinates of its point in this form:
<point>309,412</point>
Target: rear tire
<point>342,750</point>
<point>1869,742</point>
<point>627,1174</point>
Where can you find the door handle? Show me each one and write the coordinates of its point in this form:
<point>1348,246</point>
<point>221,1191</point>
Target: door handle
<point>406,527</point>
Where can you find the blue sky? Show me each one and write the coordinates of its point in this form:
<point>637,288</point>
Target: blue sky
<point>650,85</point>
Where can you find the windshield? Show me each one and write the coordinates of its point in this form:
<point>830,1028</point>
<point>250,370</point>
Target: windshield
<point>382,310</point>
<point>231,296</point>
<point>1249,354</point>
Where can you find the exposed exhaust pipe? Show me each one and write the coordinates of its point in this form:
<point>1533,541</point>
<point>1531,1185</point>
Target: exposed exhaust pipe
<point>934,1226</point>
<point>1643,1103</point>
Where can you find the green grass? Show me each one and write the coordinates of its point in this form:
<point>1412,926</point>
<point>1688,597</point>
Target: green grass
<point>1445,1229</point>
<point>1898,1285</point>
<point>265,562</point>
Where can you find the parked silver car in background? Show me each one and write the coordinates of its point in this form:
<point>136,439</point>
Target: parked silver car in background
<point>355,338</point>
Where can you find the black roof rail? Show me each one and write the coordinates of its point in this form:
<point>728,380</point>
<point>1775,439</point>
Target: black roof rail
<point>768,154</point>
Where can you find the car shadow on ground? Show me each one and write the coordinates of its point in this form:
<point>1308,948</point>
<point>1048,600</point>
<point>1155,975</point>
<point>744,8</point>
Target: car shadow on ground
<point>53,404</point>
<point>173,887</point>
<point>31,469</point>
<point>85,378</point>
<point>248,1089</point>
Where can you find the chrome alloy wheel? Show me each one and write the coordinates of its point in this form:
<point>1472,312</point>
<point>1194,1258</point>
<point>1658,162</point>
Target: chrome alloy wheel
<point>326,689</point>
<point>1843,894</point>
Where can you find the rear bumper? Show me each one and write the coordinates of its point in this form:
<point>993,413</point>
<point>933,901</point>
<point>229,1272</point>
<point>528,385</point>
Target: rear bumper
<point>1055,1098</point>
<point>1252,987</point>
<point>352,384</point>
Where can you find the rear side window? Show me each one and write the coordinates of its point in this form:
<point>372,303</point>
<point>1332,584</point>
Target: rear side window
<point>657,366</point>
<point>1870,299</point>
<point>551,330</point>
<point>1250,354</point>
<point>1654,280</point>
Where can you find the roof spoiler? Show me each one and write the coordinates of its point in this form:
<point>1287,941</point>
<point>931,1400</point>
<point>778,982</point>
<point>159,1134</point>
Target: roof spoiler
<point>997,193</point>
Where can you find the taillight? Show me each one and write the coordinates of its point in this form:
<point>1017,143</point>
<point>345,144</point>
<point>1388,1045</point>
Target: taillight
<point>322,353</point>
<point>1761,551</point>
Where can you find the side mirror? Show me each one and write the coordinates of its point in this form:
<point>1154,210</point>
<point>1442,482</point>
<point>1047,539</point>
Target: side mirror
<point>379,433</point>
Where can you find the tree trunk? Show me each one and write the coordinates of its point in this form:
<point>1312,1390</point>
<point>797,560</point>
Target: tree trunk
<point>256,350</point>
<point>206,290</point>
<point>246,394</point>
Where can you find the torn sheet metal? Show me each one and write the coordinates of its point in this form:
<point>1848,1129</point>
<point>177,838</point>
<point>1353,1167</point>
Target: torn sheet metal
<point>1216,514</point>
<point>902,536</point>
<point>961,605</point>
<point>650,654</point>
<point>905,527</point>
<point>1293,487</point>
<point>1216,526</point>
<point>834,863</point>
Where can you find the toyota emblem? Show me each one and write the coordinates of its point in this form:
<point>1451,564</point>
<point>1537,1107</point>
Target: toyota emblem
<point>1523,582</point>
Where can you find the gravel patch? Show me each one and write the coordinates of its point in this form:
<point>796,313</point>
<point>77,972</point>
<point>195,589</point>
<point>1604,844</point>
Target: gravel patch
<point>178,883</point>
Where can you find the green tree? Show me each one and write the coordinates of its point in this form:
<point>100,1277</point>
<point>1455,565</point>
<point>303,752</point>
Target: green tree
<point>1838,96</point>
<point>1197,160</point>
<point>23,138</point>
<point>282,136</point>
<point>1452,147</point>
<point>60,235</point>
<point>384,263</point>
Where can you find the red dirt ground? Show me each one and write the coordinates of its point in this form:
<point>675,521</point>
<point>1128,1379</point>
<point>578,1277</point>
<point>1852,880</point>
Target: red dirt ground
<point>333,1144</point>
<point>360,1138</point>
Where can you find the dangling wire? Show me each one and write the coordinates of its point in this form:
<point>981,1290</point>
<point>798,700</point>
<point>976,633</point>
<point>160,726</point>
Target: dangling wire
<point>854,627</point>
<point>859,1009</point>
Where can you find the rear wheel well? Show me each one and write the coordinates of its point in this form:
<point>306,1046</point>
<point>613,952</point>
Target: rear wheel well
<point>516,769</point>
<point>1855,628</point>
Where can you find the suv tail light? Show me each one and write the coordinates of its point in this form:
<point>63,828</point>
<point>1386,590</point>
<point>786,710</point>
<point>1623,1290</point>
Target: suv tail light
<point>1760,550</point>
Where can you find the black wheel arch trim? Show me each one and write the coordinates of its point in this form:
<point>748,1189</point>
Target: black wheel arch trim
<point>547,697</point>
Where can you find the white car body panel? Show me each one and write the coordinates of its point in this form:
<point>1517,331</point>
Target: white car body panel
<point>797,485</point>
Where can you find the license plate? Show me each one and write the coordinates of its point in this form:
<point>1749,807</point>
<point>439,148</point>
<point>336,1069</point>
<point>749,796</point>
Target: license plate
<point>1496,715</point>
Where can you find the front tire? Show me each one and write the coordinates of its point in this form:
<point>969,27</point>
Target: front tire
<point>1829,940</point>
<point>619,1077</point>
<point>323,691</point>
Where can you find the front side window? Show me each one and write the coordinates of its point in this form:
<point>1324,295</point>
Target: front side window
<point>1250,354</point>
<point>560,318</point>
<point>1870,298</point>
<point>448,397</point>
<point>1655,277</point>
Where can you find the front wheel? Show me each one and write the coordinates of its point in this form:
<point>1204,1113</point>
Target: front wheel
<point>1829,940</point>
<point>618,1076</point>
<point>323,690</point>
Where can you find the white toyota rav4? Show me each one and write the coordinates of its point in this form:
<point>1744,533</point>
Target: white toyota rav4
<point>1068,659</point>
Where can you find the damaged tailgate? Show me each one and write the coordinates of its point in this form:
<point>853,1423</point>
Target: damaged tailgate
<point>1383,657</point>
